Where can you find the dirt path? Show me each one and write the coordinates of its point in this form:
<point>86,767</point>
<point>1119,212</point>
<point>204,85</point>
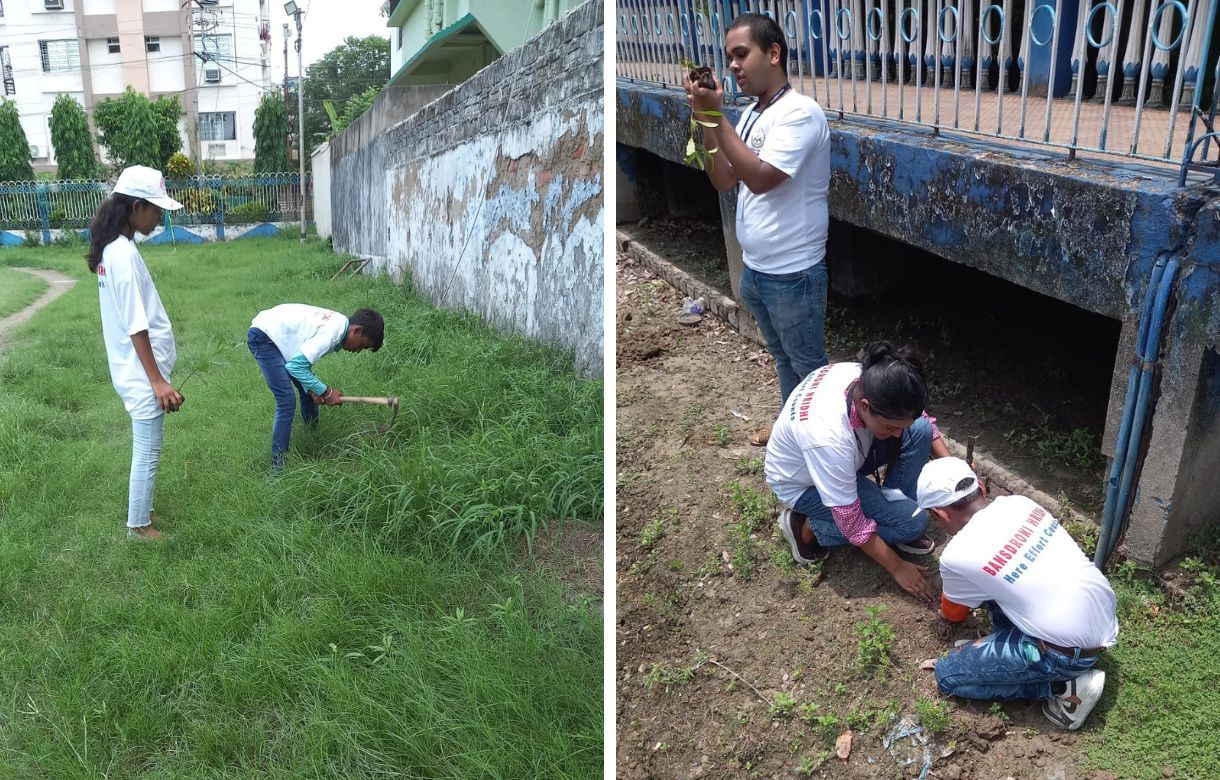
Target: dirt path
<point>58,284</point>
<point>731,661</point>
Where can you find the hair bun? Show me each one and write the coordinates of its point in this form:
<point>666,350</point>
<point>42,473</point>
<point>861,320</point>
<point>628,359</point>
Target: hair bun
<point>877,352</point>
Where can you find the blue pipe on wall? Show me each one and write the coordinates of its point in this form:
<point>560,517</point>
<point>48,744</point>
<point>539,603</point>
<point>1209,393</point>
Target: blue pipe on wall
<point>1135,408</point>
<point>1124,428</point>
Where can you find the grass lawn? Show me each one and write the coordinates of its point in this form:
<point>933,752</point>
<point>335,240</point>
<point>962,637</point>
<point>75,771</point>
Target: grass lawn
<point>1159,708</point>
<point>18,290</point>
<point>371,613</point>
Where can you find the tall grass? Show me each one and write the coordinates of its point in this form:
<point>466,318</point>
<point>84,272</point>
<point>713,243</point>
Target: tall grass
<point>18,290</point>
<point>367,614</point>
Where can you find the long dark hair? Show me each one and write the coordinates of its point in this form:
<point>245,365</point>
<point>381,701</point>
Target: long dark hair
<point>892,380</point>
<point>113,217</point>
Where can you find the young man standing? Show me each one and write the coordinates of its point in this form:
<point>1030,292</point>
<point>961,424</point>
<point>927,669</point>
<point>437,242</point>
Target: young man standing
<point>1052,612</point>
<point>778,157</point>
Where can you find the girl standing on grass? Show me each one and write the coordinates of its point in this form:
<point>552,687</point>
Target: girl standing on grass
<point>137,332</point>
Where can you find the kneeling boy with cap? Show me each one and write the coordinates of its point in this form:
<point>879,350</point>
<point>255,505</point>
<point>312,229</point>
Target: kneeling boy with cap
<point>1052,611</point>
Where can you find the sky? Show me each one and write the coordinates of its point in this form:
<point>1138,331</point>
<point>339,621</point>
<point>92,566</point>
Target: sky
<point>324,26</point>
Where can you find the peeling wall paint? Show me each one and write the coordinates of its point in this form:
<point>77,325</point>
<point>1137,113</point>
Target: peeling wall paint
<point>491,197</point>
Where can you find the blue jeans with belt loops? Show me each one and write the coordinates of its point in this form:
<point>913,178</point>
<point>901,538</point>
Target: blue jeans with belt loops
<point>1006,664</point>
<point>897,521</point>
<point>790,310</point>
<point>282,385</point>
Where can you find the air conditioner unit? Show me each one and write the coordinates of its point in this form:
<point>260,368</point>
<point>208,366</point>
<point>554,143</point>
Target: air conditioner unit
<point>211,74</point>
<point>53,5</point>
<point>208,2</point>
<point>36,152</point>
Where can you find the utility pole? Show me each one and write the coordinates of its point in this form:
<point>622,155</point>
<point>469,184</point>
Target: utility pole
<point>292,9</point>
<point>287,112</point>
<point>190,34</point>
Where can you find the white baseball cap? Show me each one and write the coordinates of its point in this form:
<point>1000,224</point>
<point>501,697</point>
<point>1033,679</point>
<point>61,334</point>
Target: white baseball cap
<point>140,181</point>
<point>938,483</point>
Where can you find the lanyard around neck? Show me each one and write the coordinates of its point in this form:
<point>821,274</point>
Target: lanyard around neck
<point>756,112</point>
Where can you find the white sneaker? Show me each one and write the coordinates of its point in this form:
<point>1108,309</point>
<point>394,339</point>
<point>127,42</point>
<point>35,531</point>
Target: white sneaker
<point>1069,709</point>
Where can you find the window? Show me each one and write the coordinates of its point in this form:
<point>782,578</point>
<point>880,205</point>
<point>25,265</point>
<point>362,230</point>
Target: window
<point>218,126</point>
<point>112,45</point>
<point>6,72</point>
<point>215,47</point>
<point>400,37</point>
<point>152,43</point>
<point>59,55</point>
<point>53,5</point>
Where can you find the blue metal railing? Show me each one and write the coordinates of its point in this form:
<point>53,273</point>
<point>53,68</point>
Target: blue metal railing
<point>206,200</point>
<point>1011,69</point>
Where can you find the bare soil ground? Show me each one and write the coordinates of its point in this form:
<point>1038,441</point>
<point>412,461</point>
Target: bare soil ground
<point>732,662</point>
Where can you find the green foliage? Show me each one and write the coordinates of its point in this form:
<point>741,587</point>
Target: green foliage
<point>1079,448</point>
<point>343,73</point>
<point>198,201</point>
<point>876,640</point>
<point>652,533</point>
<point>354,107</point>
<point>14,146</point>
<point>72,140</point>
<point>166,112</point>
<point>284,629</point>
<point>179,167</point>
<point>270,135</point>
<point>933,714</point>
<point>721,433</point>
<point>748,466</point>
<point>753,510</point>
<point>782,705</point>
<point>127,128</point>
<point>247,213</point>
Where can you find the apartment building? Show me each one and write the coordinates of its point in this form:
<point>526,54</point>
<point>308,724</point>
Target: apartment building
<point>213,54</point>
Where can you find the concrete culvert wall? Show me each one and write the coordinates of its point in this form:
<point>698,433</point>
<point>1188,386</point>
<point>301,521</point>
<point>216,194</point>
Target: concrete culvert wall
<point>1079,233</point>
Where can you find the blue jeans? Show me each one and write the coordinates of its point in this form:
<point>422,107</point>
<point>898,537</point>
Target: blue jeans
<point>146,438</point>
<point>790,310</point>
<point>1006,664</point>
<point>896,520</point>
<point>269,359</point>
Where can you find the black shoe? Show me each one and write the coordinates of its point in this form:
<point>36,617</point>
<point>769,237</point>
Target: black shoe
<point>921,546</point>
<point>790,523</point>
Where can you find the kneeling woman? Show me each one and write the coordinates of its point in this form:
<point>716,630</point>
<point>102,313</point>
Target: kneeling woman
<point>843,423</point>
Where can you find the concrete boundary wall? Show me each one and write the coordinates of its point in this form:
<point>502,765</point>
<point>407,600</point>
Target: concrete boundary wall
<point>490,197</point>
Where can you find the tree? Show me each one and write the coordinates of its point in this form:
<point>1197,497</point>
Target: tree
<point>166,110</point>
<point>343,73</point>
<point>355,107</point>
<point>270,154</point>
<point>14,146</point>
<point>127,127</point>
<point>72,140</point>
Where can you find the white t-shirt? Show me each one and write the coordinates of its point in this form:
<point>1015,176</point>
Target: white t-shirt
<point>813,444</point>
<point>300,329</point>
<point>1017,554</point>
<point>784,230</point>
<point>130,304</point>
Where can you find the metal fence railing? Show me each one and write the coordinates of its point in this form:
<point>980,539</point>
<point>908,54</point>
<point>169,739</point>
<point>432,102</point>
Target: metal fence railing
<point>1036,71</point>
<point>206,200</point>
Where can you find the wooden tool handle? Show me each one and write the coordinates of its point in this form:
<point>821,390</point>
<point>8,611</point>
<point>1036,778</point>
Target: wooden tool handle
<point>359,399</point>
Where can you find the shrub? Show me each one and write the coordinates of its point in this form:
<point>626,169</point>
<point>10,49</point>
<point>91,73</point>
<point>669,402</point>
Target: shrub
<point>179,167</point>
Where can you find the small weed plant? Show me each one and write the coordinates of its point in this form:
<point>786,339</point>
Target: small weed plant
<point>876,640</point>
<point>652,533</point>
<point>933,714</point>
<point>782,705</point>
